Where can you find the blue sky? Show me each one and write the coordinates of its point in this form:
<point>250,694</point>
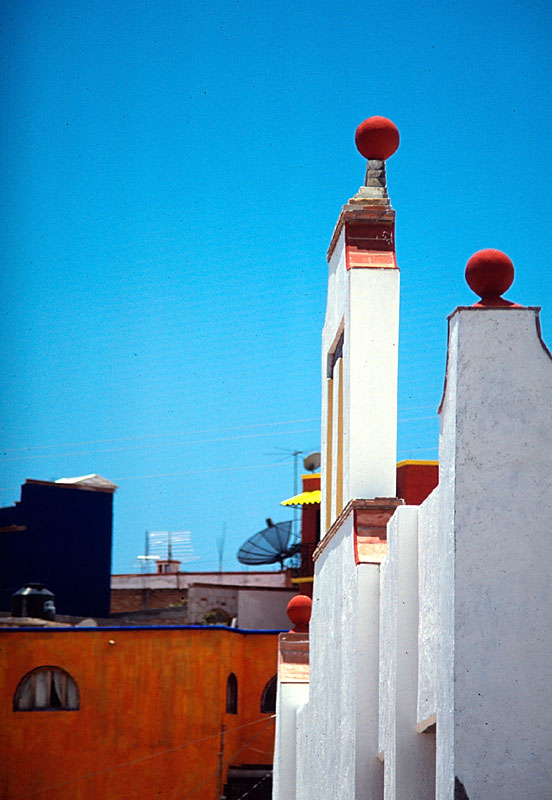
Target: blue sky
<point>172,173</point>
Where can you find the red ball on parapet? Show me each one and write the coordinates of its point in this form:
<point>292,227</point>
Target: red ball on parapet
<point>377,137</point>
<point>489,273</point>
<point>299,611</point>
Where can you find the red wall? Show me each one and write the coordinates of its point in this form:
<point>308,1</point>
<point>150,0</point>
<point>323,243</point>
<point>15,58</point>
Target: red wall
<point>416,480</point>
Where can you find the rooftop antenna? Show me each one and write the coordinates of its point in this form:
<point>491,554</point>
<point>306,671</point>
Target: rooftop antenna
<point>220,540</point>
<point>146,559</point>
<point>171,545</point>
<point>295,455</point>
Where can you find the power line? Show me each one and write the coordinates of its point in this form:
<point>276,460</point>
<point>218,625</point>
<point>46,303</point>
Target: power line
<point>161,435</point>
<point>227,760</point>
<point>184,443</point>
<point>176,474</point>
<point>199,471</point>
<point>147,758</point>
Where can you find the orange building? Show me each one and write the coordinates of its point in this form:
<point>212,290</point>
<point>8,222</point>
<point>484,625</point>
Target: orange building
<point>118,713</point>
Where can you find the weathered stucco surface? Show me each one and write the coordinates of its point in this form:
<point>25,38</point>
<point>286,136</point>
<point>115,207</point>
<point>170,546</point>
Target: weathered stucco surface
<point>428,583</point>
<point>363,304</point>
<point>290,697</point>
<point>328,765</point>
<point>496,606</point>
<point>409,756</point>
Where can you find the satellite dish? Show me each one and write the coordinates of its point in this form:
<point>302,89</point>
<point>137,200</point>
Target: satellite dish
<point>270,546</point>
<point>312,462</point>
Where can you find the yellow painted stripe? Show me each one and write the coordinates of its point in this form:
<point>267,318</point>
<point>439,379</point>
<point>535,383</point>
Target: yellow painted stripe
<point>329,447</point>
<point>430,463</point>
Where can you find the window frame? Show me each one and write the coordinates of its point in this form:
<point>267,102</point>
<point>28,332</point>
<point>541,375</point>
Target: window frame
<point>269,688</point>
<point>61,690</point>
<point>231,694</point>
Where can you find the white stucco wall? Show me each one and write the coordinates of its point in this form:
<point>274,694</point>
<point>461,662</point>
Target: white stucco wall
<point>387,745</point>
<point>364,303</point>
<point>494,713</point>
<point>409,756</point>
<point>289,697</point>
<point>328,765</point>
<point>428,585</point>
<point>373,332</point>
<point>337,744</point>
<point>369,769</point>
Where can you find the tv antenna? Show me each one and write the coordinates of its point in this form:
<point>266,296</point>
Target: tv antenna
<point>273,545</point>
<point>295,455</point>
<point>169,546</point>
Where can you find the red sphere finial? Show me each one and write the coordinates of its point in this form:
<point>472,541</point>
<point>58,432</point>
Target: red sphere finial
<point>489,273</point>
<point>299,611</point>
<point>377,137</point>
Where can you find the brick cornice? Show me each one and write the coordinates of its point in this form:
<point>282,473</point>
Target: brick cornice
<point>378,504</point>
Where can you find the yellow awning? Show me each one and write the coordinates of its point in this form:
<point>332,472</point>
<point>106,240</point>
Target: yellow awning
<point>303,499</point>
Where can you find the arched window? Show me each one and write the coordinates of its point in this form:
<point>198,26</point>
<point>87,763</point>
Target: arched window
<point>268,697</point>
<point>46,689</point>
<point>232,694</point>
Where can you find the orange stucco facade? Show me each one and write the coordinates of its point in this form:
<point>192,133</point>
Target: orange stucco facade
<point>152,703</point>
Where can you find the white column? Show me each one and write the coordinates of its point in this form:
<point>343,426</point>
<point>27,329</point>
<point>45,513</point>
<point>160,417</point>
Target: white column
<point>371,392</point>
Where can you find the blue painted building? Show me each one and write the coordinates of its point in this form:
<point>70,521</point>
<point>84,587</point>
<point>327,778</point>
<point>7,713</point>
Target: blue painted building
<point>59,534</point>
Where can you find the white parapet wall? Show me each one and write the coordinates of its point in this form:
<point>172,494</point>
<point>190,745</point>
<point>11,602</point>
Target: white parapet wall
<point>409,756</point>
<point>428,605</point>
<point>289,698</point>
<point>328,766</point>
<point>494,715</point>
<point>371,411</point>
<point>359,419</point>
<point>337,753</point>
<point>369,769</point>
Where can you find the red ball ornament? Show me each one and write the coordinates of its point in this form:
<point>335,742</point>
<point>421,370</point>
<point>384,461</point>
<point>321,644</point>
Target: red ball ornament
<point>299,611</point>
<point>377,137</point>
<point>489,273</point>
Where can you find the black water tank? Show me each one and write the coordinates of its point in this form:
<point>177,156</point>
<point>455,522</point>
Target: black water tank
<point>33,600</point>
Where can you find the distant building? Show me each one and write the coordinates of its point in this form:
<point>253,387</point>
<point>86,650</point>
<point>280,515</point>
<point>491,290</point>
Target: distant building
<point>254,599</point>
<point>59,534</point>
<point>119,713</point>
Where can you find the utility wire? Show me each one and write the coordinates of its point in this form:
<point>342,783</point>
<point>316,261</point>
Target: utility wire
<point>183,443</point>
<point>175,474</point>
<point>162,435</point>
<point>147,758</point>
<point>227,760</point>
